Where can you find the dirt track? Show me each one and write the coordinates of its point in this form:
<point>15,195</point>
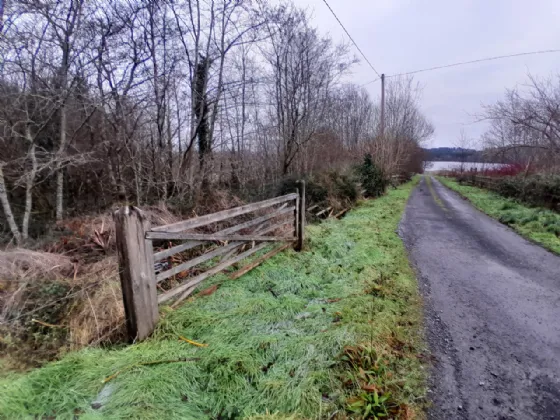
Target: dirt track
<point>492,308</point>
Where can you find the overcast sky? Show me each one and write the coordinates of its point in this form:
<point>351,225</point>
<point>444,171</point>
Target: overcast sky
<point>405,35</point>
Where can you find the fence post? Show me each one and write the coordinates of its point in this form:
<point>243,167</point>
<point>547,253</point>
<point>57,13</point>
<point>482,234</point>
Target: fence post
<point>296,218</point>
<point>136,271</point>
<point>301,216</point>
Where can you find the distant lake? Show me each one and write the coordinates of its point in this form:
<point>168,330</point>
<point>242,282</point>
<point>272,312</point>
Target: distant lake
<point>447,166</point>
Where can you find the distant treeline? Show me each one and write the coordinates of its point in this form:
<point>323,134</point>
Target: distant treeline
<point>454,154</point>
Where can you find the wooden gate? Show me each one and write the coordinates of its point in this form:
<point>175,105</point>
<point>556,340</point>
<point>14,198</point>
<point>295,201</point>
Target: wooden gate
<point>141,270</point>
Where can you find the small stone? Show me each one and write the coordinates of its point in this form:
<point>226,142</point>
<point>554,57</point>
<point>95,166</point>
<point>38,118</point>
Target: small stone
<point>103,396</point>
<point>481,383</point>
<point>460,407</point>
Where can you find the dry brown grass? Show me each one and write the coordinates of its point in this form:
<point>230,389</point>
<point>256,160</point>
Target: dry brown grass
<point>18,264</point>
<point>20,270</point>
<point>49,305</point>
<point>98,316</point>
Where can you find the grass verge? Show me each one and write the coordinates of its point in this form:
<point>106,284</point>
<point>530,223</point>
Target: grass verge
<point>332,331</point>
<point>536,224</point>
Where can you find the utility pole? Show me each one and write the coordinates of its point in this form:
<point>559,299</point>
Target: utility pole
<point>382,104</point>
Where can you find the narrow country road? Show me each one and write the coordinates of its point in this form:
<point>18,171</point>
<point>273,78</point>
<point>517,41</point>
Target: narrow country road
<point>492,311</point>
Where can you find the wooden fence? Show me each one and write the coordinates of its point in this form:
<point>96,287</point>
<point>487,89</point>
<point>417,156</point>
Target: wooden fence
<point>487,182</point>
<point>142,271</point>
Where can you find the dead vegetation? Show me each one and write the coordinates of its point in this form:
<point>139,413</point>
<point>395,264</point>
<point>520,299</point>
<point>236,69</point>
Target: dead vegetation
<point>49,305</point>
<point>92,237</point>
<point>65,294</point>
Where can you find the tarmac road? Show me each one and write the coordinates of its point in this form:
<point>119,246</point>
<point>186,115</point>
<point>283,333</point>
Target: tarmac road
<point>492,311</point>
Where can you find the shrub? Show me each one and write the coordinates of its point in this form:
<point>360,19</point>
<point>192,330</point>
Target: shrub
<point>554,228</point>
<point>314,192</point>
<point>505,170</point>
<point>344,186</point>
<point>509,187</point>
<point>323,188</point>
<point>538,190</point>
<point>372,178</point>
<point>507,206</point>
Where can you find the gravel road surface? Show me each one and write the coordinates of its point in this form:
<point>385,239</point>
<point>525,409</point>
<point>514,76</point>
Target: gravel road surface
<point>492,311</point>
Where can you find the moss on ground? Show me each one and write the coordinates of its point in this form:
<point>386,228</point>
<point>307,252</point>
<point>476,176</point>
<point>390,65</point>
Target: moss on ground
<point>275,338</point>
<point>537,224</point>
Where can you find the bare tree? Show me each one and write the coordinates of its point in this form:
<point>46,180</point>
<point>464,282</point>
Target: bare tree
<point>156,100</point>
<point>464,143</point>
<point>406,129</point>
<point>304,68</point>
<point>525,124</point>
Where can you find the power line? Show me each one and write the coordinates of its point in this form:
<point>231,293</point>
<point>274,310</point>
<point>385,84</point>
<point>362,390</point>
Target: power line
<point>351,39</point>
<point>370,82</point>
<point>475,61</point>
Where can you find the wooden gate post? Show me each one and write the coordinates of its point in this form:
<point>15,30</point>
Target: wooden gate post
<point>301,216</point>
<point>296,219</point>
<point>136,271</point>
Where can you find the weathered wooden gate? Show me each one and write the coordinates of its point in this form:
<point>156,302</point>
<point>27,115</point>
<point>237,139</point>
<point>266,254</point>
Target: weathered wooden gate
<point>280,219</point>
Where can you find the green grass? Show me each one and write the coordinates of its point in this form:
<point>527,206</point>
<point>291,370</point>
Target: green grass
<point>275,337</point>
<point>537,224</point>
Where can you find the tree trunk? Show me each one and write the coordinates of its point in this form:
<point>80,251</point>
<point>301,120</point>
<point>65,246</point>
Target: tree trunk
<point>60,169</point>
<point>7,208</point>
<point>201,111</point>
<point>29,187</point>
<point>59,194</point>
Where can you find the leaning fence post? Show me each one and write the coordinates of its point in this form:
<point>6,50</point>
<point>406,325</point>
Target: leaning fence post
<point>136,271</point>
<point>301,216</point>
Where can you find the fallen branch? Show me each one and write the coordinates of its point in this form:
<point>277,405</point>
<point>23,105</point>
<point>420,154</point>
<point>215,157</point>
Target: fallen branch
<point>194,343</point>
<point>46,324</point>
